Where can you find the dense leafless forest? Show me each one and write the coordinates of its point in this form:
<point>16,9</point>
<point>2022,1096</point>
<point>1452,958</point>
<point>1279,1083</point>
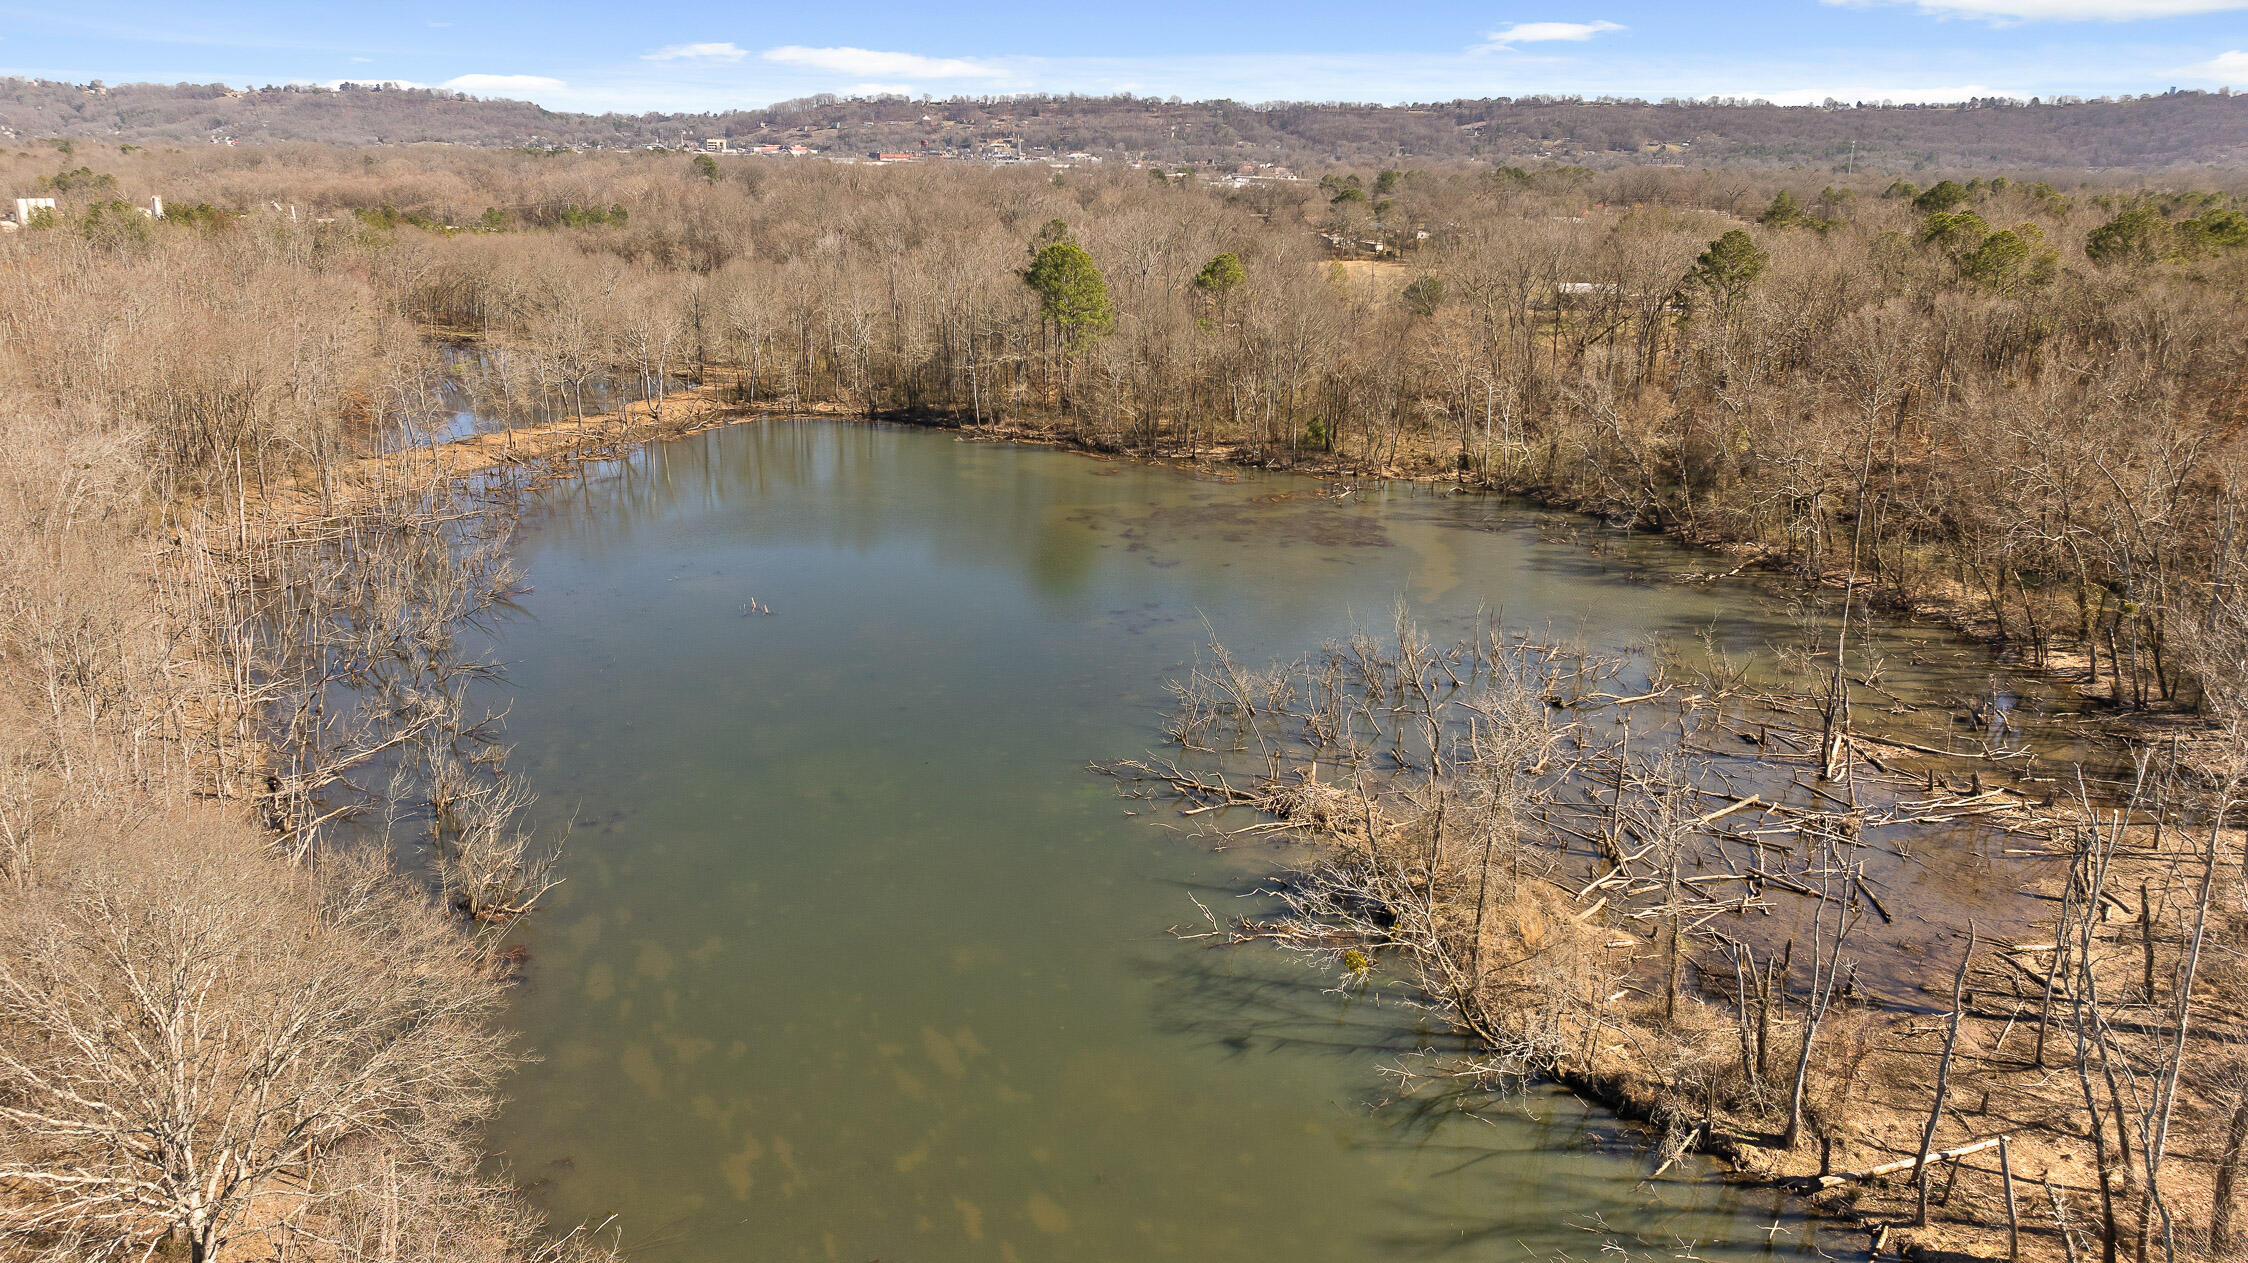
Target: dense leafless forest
<point>227,620</point>
<point>2175,129</point>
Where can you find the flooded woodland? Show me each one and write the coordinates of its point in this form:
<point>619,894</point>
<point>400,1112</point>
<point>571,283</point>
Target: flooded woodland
<point>856,955</point>
<point>563,706</point>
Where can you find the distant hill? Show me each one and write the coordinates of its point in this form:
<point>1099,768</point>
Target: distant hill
<point>2165,132</point>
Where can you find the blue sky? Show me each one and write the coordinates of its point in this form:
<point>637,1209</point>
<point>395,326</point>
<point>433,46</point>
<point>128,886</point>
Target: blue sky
<point>694,56</point>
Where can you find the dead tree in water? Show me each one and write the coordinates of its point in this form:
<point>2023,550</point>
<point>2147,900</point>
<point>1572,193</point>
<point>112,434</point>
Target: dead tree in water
<point>1836,916</point>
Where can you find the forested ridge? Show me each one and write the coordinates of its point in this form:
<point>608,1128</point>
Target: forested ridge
<point>2154,132</point>
<point>228,625</point>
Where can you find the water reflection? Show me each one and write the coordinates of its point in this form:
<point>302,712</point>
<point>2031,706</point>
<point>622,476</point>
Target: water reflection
<point>854,960</point>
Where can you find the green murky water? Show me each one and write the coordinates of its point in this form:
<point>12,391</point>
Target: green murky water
<point>856,961</point>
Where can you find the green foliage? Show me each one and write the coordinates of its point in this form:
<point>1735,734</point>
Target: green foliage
<point>576,216</point>
<point>492,220</point>
<point>2212,232</point>
<point>2138,236</point>
<point>1221,275</point>
<point>199,215</point>
<point>706,167</point>
<point>1954,232</point>
<point>387,217</point>
<point>81,180</point>
<point>114,224</point>
<point>2142,236</point>
<point>1905,189</point>
<point>2000,255</point>
<point>1783,212</point>
<point>1387,182</point>
<point>1349,193</point>
<point>1944,196</point>
<point>2011,258</point>
<point>1071,291</point>
<point>1424,295</point>
<point>1728,268</point>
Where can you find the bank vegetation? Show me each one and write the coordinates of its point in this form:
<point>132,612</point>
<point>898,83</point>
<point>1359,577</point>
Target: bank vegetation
<point>231,607</point>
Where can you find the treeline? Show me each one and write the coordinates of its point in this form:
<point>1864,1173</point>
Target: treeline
<point>2173,129</point>
<point>2015,399</point>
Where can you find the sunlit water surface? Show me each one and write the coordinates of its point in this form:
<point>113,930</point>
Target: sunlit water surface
<point>856,960</point>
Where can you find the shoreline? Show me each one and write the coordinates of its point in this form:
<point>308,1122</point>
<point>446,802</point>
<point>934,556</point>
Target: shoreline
<point>549,450</point>
<point>696,409</point>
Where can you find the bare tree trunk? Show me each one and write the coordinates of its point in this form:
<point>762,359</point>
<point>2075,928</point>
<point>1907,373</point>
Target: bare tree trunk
<point>1943,1082</point>
<point>2228,1177</point>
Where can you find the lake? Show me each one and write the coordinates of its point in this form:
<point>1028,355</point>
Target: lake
<point>855,959</point>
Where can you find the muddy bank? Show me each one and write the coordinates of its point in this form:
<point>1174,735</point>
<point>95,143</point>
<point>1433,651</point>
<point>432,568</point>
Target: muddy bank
<point>1892,1086</point>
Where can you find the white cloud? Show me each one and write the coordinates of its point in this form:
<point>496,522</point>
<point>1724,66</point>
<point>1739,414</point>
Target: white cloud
<point>2009,11</point>
<point>501,84</point>
<point>879,89</point>
<point>696,52</point>
<point>869,63</point>
<point>1543,33</point>
<point>362,59</point>
<point>2229,67</point>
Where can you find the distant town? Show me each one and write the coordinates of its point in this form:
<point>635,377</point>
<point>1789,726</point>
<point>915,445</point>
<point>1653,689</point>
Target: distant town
<point>996,151</point>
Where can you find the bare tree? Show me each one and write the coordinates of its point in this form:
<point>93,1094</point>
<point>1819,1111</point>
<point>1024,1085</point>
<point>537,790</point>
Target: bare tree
<point>189,1030</point>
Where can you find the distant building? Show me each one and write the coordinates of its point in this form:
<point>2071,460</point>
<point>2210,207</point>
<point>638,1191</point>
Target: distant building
<point>714,144</point>
<point>26,207</point>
